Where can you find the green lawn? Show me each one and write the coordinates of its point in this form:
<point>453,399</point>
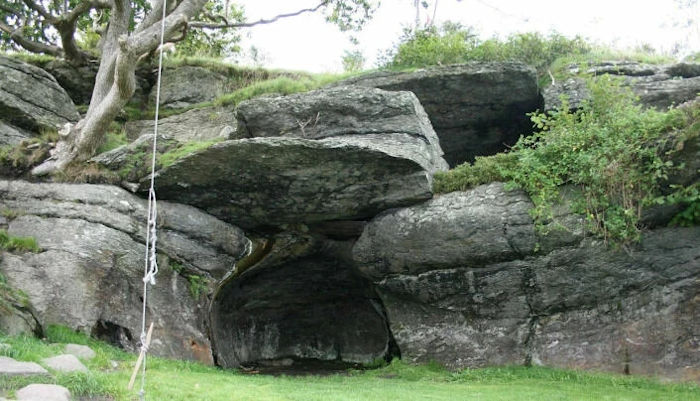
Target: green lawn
<point>174,380</point>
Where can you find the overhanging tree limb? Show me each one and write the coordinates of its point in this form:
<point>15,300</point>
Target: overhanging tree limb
<point>263,21</point>
<point>35,47</point>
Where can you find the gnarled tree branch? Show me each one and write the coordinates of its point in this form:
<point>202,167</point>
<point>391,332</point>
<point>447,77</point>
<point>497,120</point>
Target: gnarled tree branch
<point>263,21</point>
<point>35,47</point>
<point>40,9</point>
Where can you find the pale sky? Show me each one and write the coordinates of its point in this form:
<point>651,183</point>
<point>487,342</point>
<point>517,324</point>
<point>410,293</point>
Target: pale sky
<point>309,43</point>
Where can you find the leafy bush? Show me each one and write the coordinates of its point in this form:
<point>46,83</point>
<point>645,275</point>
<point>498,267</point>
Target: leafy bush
<point>548,54</point>
<point>613,151</point>
<point>449,44</point>
<point>453,43</point>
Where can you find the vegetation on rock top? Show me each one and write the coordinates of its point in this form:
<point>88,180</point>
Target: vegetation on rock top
<point>617,155</point>
<point>550,55</point>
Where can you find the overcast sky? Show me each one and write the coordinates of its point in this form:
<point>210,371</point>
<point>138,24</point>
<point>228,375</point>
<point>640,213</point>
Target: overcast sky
<point>309,43</point>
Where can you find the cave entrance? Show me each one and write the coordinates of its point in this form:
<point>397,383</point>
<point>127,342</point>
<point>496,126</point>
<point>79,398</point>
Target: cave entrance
<point>303,306</point>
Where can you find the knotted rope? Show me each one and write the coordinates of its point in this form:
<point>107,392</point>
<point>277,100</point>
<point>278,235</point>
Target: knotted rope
<point>150,263</point>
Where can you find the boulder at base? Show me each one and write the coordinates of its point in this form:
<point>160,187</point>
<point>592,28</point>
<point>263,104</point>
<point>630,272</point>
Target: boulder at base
<point>342,153</point>
<point>463,284</point>
<point>476,109</point>
<point>92,256</point>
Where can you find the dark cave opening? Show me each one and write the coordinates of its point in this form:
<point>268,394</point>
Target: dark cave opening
<point>306,312</point>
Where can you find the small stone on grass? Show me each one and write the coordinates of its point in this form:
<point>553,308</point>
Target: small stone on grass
<point>64,363</point>
<point>43,392</point>
<point>80,351</point>
<point>11,367</point>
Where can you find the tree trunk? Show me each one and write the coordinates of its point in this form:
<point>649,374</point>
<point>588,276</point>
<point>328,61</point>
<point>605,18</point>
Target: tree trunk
<point>116,79</point>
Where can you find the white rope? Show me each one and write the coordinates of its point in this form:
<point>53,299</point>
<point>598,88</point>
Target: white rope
<point>150,264</point>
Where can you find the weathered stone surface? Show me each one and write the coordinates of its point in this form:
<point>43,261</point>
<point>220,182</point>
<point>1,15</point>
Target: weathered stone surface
<point>133,161</point>
<point>18,321</point>
<point>656,86</point>
<point>11,367</point>
<point>92,240</point>
<point>64,363</point>
<point>485,225</point>
<point>177,89</point>
<point>80,351</point>
<point>193,125</point>
<point>302,301</point>
<point>10,135</point>
<point>78,81</point>
<point>572,303</point>
<point>31,98</point>
<point>574,90</point>
<point>344,167</point>
<point>476,109</point>
<point>43,392</point>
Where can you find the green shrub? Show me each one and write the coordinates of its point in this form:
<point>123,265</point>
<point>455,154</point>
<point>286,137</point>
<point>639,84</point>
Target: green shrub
<point>198,285</point>
<point>616,153</point>
<point>448,44</point>
<point>453,43</point>
<point>548,54</point>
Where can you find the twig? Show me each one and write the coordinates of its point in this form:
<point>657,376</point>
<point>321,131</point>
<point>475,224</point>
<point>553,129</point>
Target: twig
<point>141,356</point>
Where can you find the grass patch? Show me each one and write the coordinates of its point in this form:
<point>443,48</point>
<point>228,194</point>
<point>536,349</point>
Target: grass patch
<point>281,86</point>
<point>18,244</point>
<point>180,381</point>
<point>169,158</point>
<point>114,138</point>
<point>11,214</point>
<point>617,154</point>
<point>39,60</point>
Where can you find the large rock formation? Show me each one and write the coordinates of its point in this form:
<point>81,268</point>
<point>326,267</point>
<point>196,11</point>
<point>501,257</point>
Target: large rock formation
<point>30,98</point>
<point>659,86</point>
<point>343,153</point>
<point>463,283</point>
<point>476,109</point>
<point>88,274</point>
